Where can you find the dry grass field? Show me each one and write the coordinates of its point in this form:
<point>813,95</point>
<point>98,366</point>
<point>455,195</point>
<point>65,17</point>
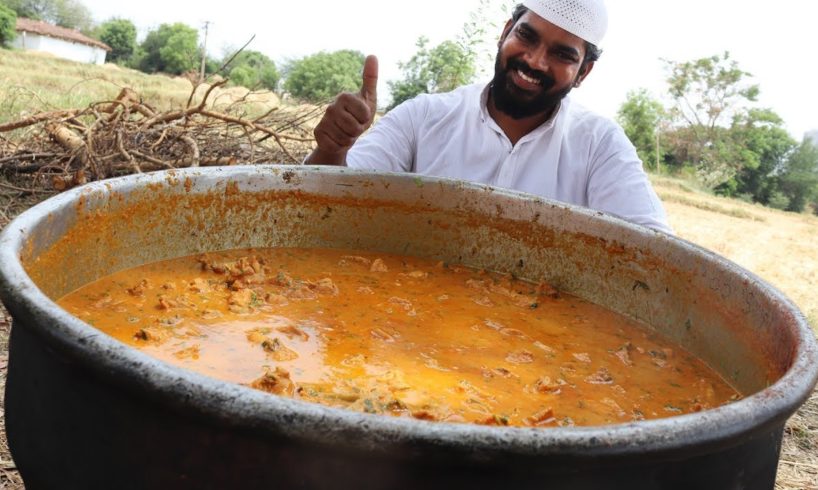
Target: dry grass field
<point>779,247</point>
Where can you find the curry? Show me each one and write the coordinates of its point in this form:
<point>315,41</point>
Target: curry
<point>399,335</point>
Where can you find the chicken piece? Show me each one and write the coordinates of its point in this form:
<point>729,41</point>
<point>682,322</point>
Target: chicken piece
<point>199,285</point>
<point>283,279</point>
<point>327,287</point>
<point>276,299</point>
<point>623,354</point>
<point>545,385</point>
<point>601,377</point>
<point>243,300</point>
<point>416,275</point>
<point>301,291</point>
<point>378,265</point>
<point>405,305</point>
<point>520,357</point>
<point>542,418</point>
<point>543,347</point>
<point>582,357</point>
<point>191,352</point>
<point>256,336</point>
<point>140,288</point>
<point>354,259</point>
<point>152,335</point>
<point>276,381</point>
<point>493,419</point>
<point>292,331</point>
<point>166,303</point>
<point>278,351</point>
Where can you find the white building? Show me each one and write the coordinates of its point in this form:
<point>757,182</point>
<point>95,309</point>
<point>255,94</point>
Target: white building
<point>59,41</point>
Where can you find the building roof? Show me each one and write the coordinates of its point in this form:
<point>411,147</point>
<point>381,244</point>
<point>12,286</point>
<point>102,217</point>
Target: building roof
<point>50,30</point>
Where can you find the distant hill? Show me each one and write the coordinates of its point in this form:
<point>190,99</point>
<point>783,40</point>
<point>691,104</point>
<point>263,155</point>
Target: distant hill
<point>812,136</point>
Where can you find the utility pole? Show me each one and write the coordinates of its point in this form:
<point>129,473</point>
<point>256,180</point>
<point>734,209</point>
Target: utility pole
<point>204,53</point>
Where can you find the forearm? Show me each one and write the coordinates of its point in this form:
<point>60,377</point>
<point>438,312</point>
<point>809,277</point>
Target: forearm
<point>321,157</point>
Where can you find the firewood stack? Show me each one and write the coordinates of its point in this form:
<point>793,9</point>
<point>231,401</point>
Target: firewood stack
<point>61,149</point>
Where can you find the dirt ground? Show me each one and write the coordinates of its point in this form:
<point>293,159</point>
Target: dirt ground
<point>777,246</point>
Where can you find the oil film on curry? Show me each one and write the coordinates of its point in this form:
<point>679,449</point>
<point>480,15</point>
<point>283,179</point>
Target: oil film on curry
<point>399,335</point>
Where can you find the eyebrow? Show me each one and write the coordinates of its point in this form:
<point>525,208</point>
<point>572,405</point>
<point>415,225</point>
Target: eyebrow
<point>567,49</point>
<point>564,48</point>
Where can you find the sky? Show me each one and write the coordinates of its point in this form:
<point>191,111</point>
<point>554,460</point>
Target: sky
<point>774,41</point>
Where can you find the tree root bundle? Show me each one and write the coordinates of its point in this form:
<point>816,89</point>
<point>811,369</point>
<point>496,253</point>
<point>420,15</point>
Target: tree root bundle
<point>65,148</point>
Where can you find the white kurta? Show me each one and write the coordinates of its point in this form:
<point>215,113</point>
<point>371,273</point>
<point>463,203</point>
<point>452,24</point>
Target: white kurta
<point>576,157</point>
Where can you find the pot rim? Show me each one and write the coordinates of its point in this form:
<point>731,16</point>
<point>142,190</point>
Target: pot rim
<point>242,406</point>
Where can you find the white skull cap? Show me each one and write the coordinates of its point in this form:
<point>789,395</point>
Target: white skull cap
<point>586,19</point>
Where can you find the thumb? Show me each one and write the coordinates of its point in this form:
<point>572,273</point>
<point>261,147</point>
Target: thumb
<point>369,87</point>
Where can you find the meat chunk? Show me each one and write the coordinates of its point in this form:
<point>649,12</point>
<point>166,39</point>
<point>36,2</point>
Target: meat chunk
<point>520,357</point>
<point>278,351</point>
<point>291,331</point>
<point>378,265</point>
<point>140,288</point>
<point>276,381</point>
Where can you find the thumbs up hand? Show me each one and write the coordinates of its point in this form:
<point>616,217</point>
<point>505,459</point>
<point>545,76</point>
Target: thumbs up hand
<point>346,119</point>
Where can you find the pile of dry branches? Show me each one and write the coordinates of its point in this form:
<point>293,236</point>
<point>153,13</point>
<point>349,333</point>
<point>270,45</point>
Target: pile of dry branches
<point>61,149</point>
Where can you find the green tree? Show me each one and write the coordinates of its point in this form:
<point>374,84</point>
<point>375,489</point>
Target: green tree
<point>762,146</point>
<point>708,94</point>
<point>74,15</point>
<point>799,178</point>
<point>120,35</point>
<point>66,13</point>
<point>33,9</point>
<point>321,76</point>
<point>640,116</point>
<point>253,69</point>
<point>8,22</point>
<point>171,48</point>
<point>440,69</point>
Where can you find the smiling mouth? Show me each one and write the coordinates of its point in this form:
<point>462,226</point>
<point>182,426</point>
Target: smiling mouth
<point>528,79</point>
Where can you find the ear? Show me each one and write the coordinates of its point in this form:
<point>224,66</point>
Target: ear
<point>506,30</point>
<point>584,73</point>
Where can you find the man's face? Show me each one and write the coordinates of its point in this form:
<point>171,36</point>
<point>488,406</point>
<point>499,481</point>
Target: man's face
<point>537,65</point>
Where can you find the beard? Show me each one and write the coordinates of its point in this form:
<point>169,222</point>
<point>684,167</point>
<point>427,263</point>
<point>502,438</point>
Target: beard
<point>517,103</point>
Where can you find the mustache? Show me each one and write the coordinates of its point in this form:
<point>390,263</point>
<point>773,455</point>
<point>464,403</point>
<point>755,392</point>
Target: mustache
<point>517,64</point>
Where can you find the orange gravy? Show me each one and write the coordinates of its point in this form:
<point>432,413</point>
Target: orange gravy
<point>399,335</point>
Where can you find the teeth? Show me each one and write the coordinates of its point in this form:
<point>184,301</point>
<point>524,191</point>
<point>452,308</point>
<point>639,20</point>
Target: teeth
<point>528,78</point>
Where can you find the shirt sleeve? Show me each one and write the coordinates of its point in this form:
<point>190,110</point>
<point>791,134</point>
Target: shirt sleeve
<point>618,184</point>
<point>390,143</point>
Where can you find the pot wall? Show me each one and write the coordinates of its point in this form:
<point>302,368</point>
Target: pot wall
<point>181,424</point>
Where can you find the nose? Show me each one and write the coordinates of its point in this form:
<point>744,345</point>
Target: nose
<point>537,58</point>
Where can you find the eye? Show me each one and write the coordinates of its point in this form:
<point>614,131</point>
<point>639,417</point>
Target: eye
<point>525,34</point>
<point>567,56</point>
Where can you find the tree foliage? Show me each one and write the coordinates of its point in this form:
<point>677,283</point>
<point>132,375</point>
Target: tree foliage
<point>799,178</point>
<point>321,76</point>
<point>171,48</point>
<point>72,14</point>
<point>8,22</point>
<point>714,131</point>
<point>641,116</point>
<point>253,69</point>
<point>440,69</point>
<point>120,35</point>
<point>763,146</point>
<point>708,94</point>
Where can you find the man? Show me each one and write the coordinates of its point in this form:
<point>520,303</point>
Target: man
<point>519,132</point>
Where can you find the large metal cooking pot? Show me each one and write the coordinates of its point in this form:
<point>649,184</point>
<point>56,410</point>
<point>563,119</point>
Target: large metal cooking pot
<point>85,411</point>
